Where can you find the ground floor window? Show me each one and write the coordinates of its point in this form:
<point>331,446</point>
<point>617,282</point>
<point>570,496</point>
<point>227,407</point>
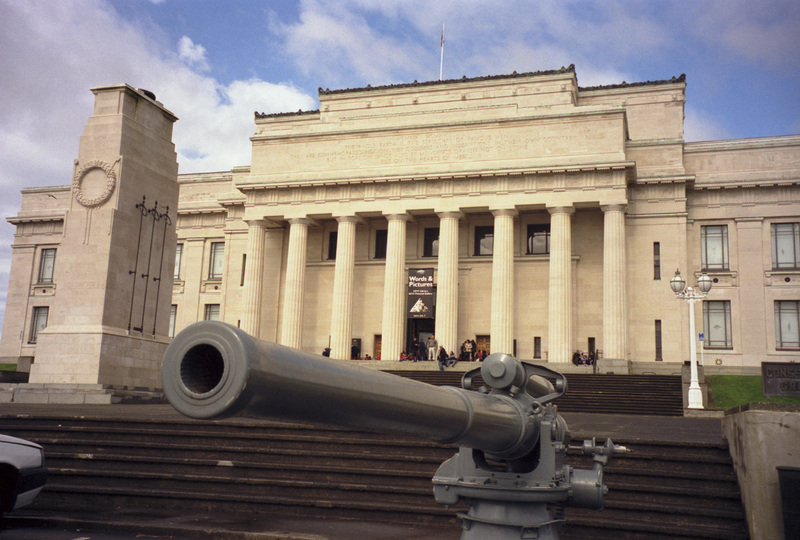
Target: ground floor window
<point>787,321</point>
<point>212,312</point>
<point>39,322</point>
<point>659,348</point>
<point>173,314</point>
<point>717,324</point>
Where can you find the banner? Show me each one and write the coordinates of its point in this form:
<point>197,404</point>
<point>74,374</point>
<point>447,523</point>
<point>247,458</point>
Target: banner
<point>420,294</point>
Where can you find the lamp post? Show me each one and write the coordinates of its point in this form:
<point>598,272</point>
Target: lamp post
<point>692,295</point>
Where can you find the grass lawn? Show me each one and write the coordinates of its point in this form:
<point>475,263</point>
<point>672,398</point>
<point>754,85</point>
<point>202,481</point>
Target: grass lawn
<point>8,367</point>
<point>734,390</point>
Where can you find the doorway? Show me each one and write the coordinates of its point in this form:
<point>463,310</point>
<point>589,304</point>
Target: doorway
<point>421,329</point>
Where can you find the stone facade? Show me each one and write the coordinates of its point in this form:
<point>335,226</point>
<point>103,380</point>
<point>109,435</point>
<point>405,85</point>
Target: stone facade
<point>553,216</point>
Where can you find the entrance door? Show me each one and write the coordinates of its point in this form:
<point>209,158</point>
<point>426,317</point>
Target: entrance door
<point>483,344</point>
<point>377,351</point>
<point>422,329</point>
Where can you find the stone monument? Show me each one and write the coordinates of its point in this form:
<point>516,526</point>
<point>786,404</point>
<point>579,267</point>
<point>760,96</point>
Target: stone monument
<point>109,321</point>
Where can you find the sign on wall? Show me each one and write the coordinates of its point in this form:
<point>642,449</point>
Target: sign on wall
<point>780,379</point>
<point>420,293</point>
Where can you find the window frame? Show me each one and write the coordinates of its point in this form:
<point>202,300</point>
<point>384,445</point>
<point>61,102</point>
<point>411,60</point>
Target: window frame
<point>176,274</point>
<point>707,238</point>
<point>216,258</point>
<point>381,243</point>
<point>656,261</point>
<point>482,232</point>
<point>173,318</point>
<point>533,230</point>
<point>430,241</point>
<point>46,272</point>
<point>794,314</point>
<point>721,307</point>
<point>210,311</point>
<point>36,326</point>
<point>777,265</point>
<point>333,239</point>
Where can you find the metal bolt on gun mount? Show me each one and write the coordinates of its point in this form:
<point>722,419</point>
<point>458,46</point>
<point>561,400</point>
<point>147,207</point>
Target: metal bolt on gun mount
<point>509,467</point>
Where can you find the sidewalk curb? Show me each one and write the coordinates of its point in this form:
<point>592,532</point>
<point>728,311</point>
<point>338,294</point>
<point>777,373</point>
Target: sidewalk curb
<point>188,533</point>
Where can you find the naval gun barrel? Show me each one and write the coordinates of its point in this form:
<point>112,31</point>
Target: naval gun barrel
<point>214,370</point>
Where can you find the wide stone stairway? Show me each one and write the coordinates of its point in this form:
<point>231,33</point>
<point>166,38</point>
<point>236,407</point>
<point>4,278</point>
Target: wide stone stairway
<point>155,460</point>
<point>615,394</point>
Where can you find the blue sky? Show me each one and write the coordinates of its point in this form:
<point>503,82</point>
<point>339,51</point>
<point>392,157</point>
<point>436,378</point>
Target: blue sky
<point>213,63</point>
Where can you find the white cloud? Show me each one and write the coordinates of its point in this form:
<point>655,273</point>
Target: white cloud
<point>54,52</point>
<point>764,33</point>
<point>697,126</point>
<point>193,54</point>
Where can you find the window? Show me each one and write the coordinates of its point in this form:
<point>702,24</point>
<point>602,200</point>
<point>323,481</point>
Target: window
<point>659,353</point>
<point>785,246</point>
<point>484,240</point>
<point>714,247</point>
<point>178,261</point>
<point>332,238</point>
<point>381,239</point>
<point>47,264</point>
<point>431,245</point>
<point>787,321</point>
<point>656,260</point>
<point>717,324</point>
<point>212,312</point>
<point>173,315</point>
<point>537,347</point>
<point>538,239</point>
<point>216,259</point>
<point>244,267</point>
<point>39,322</point>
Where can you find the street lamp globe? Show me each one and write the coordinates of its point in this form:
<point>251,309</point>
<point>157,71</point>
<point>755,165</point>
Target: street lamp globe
<point>704,283</point>
<point>677,283</point>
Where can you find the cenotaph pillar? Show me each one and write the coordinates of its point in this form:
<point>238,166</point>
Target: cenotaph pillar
<point>109,320</point>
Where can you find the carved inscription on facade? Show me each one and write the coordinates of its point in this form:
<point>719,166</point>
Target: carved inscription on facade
<point>436,148</point>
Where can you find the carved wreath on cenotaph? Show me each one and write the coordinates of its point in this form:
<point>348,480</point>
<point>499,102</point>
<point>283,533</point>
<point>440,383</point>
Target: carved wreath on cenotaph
<point>89,197</point>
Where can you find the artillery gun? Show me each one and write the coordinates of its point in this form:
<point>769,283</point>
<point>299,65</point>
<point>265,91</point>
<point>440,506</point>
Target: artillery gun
<point>509,468</point>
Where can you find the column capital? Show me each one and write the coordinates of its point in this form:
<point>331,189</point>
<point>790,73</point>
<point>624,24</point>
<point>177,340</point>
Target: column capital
<point>350,219</point>
<point>561,209</point>
<point>614,207</point>
<point>513,212</point>
<point>398,217</point>
<point>301,221</point>
<point>263,223</point>
<point>451,214</point>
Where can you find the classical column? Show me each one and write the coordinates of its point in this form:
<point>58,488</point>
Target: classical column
<point>394,288</point>
<point>614,282</point>
<point>447,282</point>
<point>342,302</point>
<point>253,277</point>
<point>560,316</point>
<point>502,306</point>
<point>292,315</point>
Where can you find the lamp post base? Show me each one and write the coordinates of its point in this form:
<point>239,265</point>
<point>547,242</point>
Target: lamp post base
<point>695,398</point>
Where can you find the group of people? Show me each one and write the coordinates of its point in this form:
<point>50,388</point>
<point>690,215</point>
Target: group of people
<point>422,350</point>
<point>583,359</point>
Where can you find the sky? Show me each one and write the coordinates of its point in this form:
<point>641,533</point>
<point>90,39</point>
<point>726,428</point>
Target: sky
<point>214,62</point>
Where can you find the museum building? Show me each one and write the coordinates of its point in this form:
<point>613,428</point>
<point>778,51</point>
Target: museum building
<point>540,217</point>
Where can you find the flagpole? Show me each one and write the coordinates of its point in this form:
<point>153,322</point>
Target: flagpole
<point>441,59</point>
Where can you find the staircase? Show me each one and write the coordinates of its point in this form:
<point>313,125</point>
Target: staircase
<point>654,395</point>
<point>247,466</point>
